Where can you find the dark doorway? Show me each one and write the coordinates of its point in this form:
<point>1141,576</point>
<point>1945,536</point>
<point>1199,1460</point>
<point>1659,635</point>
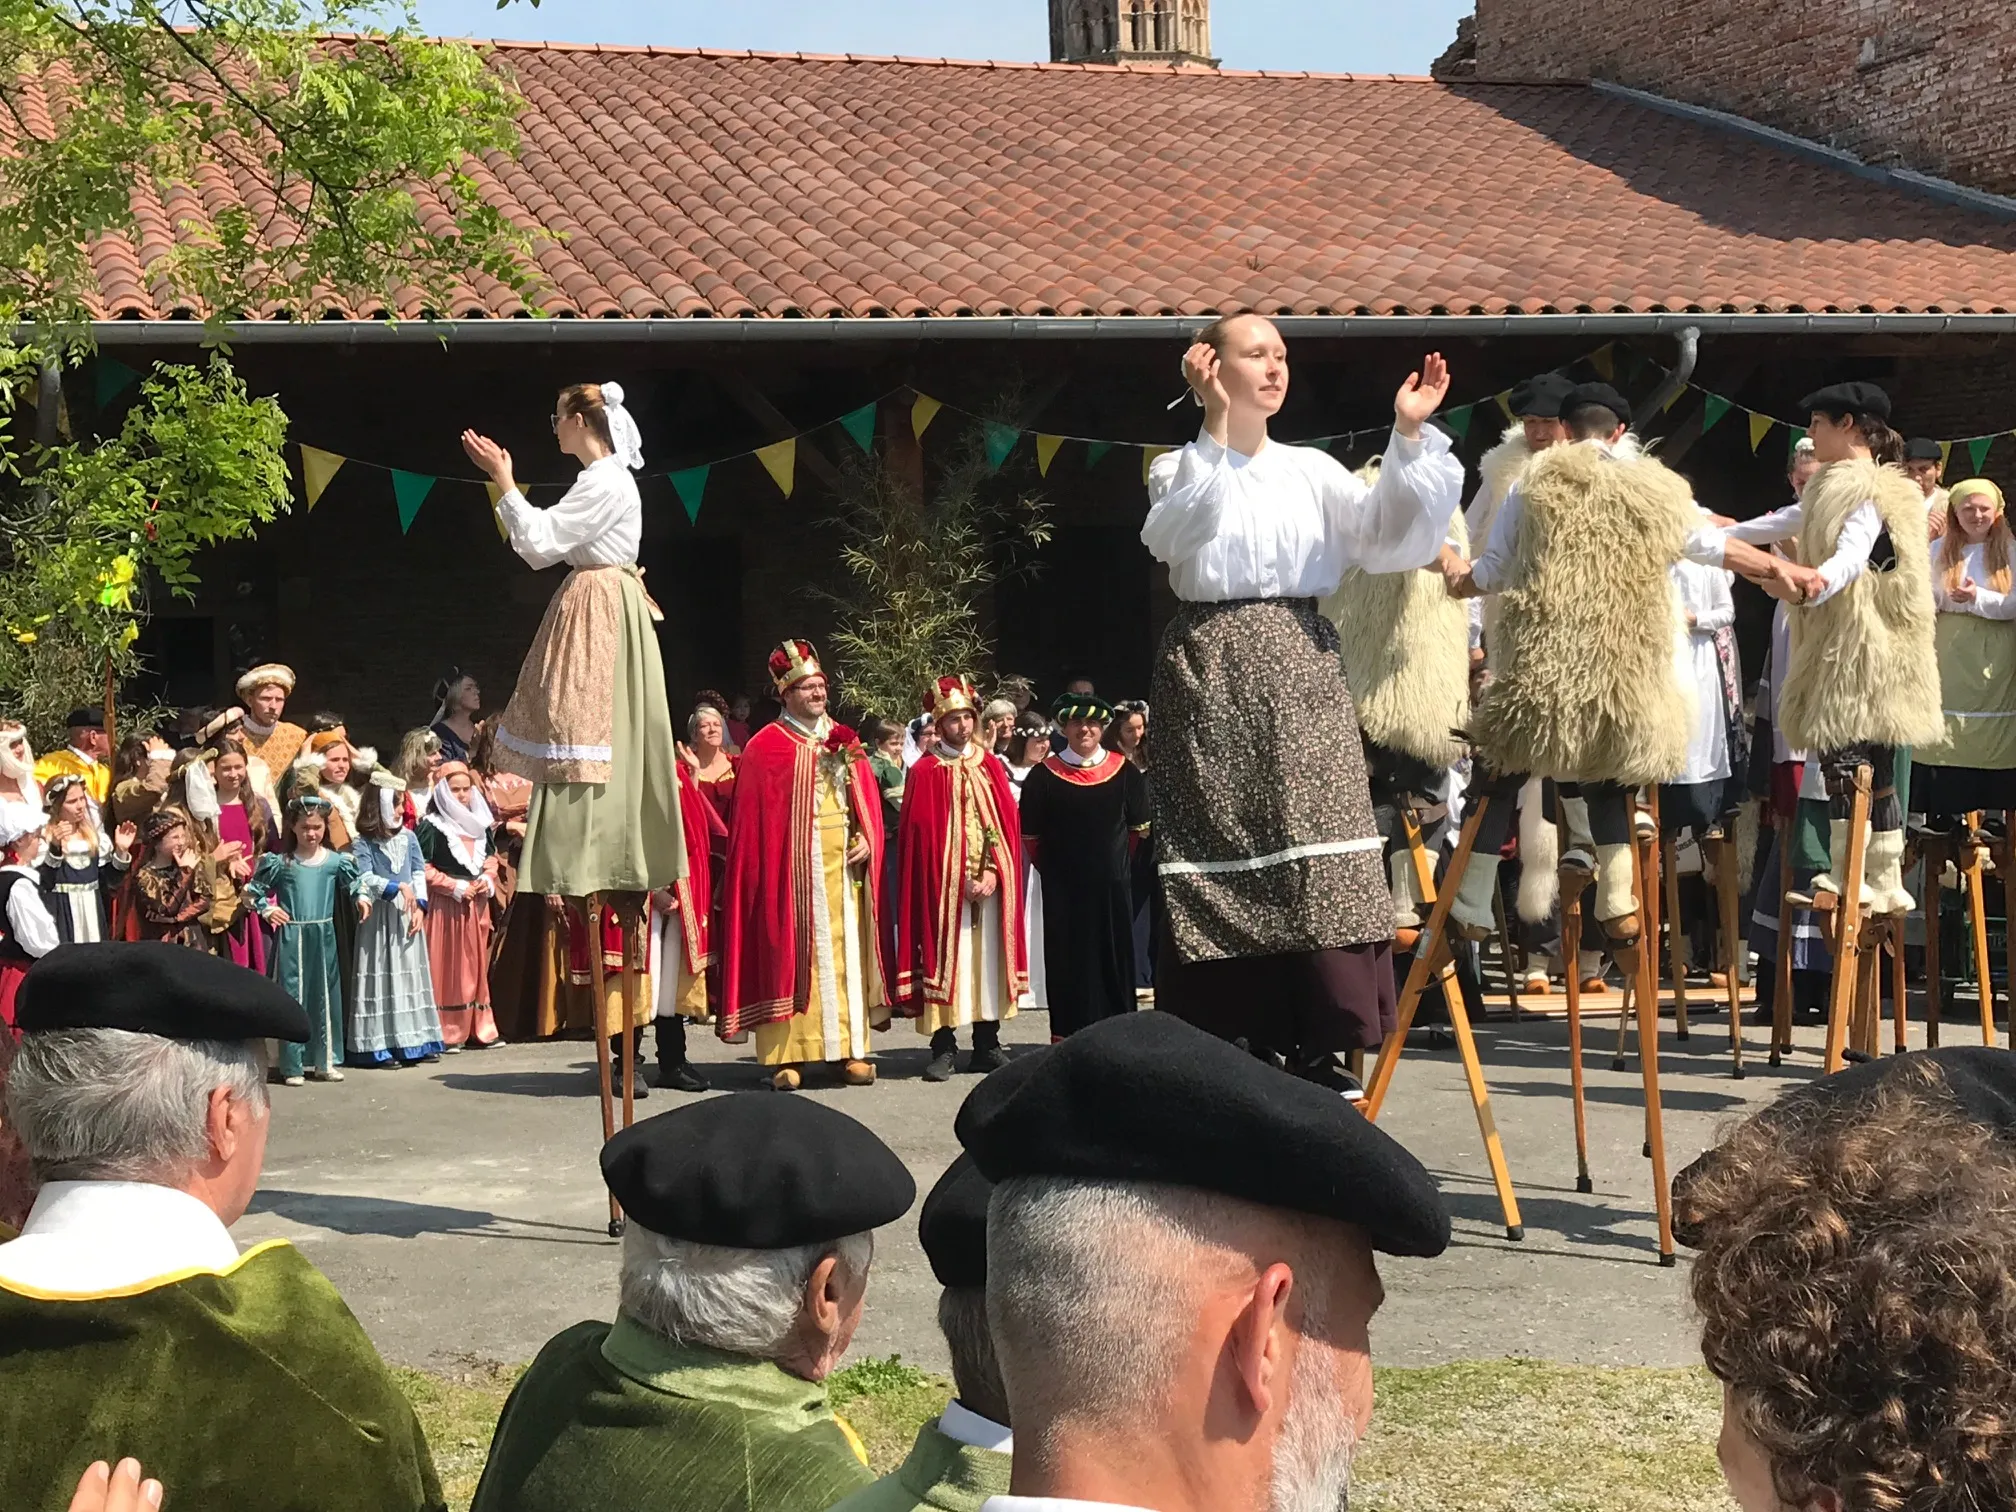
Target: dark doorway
<point>1085,609</point>
<point>697,581</point>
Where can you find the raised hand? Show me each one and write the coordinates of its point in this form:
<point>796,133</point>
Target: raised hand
<point>490,457</point>
<point>124,836</point>
<point>1421,395</point>
<point>1200,371</point>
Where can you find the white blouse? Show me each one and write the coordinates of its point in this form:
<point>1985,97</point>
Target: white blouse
<point>1287,521</point>
<point>1859,533</point>
<point>599,523</point>
<point>1704,591</point>
<point>1988,604</point>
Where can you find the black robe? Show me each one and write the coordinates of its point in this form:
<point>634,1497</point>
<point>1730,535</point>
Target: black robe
<point>1081,820</point>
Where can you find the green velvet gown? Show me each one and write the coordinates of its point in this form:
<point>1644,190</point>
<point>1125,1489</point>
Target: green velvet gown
<point>253,1390</point>
<point>618,1419</point>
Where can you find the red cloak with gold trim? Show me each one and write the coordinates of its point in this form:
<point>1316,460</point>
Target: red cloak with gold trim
<point>945,802</point>
<point>765,947</point>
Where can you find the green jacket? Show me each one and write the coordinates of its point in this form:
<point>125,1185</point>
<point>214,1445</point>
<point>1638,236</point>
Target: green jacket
<point>613,1418</point>
<point>940,1475</point>
<point>248,1390</point>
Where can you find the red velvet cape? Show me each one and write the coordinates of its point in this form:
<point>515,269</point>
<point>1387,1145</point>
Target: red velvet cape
<point>694,892</point>
<point>931,869</point>
<point>765,947</point>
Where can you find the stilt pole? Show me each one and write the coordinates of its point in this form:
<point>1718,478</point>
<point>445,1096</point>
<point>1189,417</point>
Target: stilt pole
<point>598,984</point>
<point>1934,852</point>
<point>1732,945</point>
<point>1847,926</point>
<point>1781,996</point>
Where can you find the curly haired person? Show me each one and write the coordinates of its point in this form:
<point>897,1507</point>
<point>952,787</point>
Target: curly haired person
<point>1857,1287</point>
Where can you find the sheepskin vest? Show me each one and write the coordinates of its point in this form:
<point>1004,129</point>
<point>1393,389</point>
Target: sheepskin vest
<point>1864,665</point>
<point>1405,645</point>
<point>1583,683</point>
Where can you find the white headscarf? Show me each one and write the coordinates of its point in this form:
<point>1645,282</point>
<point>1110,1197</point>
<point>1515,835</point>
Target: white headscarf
<point>623,434</point>
<point>465,824</point>
<point>18,819</point>
<point>14,768</point>
<point>199,788</point>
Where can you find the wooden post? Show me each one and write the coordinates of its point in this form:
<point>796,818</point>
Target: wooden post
<point>1848,925</point>
<point>1977,914</point>
<point>1899,988</point>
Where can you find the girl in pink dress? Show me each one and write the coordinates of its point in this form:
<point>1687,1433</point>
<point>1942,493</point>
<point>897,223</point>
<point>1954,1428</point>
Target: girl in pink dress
<point>461,882</point>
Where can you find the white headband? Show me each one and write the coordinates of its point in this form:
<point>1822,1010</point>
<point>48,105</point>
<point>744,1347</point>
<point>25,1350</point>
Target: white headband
<point>200,788</point>
<point>623,434</point>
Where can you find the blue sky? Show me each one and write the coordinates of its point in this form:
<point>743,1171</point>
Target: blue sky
<point>1365,36</point>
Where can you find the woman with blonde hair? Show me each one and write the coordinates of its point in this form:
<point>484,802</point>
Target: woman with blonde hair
<point>420,756</point>
<point>1975,634</point>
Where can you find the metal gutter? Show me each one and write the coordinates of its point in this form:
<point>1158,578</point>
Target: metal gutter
<point>1168,328</point>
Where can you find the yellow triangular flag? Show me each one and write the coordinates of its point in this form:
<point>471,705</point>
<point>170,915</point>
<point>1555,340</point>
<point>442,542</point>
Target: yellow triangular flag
<point>1505,404</point>
<point>1148,456</point>
<point>496,493</point>
<point>922,413</point>
<point>1760,427</point>
<point>1945,455</point>
<point>1046,450</point>
<point>1678,395</point>
<point>1602,360</point>
<point>780,459</point>
<point>317,468</point>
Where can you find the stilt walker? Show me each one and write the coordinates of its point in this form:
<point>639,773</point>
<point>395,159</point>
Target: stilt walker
<point>1277,921</point>
<point>588,722</point>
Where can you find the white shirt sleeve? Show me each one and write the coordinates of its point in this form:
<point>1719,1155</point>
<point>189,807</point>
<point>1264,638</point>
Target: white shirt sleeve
<point>1186,500</point>
<point>590,510</point>
<point>29,922</point>
<point>1401,520</point>
<point>1992,605</point>
<point>1851,551</point>
<point>1489,571</point>
<point>1778,525</point>
<point>1704,545</point>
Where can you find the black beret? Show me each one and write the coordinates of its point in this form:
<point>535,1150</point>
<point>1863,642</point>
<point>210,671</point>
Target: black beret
<point>1601,395</point>
<point>953,1225</point>
<point>1081,706</point>
<point>1540,396</point>
<point>1982,1079</point>
<point>752,1170</point>
<point>1919,449</point>
<point>151,987</point>
<point>1848,399</point>
<point>85,719</point>
<point>1146,1097</point>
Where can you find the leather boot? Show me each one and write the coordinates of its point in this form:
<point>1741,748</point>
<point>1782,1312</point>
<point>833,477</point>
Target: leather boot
<point>642,1089</point>
<point>675,1073</point>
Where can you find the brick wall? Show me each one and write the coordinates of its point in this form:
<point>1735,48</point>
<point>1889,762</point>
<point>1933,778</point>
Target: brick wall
<point>1927,83</point>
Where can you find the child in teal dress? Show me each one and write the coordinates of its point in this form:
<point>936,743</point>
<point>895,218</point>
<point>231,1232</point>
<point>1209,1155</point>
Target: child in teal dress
<point>298,892</point>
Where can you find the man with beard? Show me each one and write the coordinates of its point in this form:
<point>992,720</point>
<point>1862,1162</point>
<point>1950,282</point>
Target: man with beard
<point>1182,1327</point>
<point>17,766</point>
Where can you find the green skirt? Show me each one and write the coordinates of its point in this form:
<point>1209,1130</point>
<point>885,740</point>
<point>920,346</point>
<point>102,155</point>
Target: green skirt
<point>623,835</point>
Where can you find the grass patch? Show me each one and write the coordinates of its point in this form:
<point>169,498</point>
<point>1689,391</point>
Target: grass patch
<point>1485,1436</point>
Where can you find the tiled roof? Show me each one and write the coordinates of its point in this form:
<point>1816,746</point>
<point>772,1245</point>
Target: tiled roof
<point>695,183</point>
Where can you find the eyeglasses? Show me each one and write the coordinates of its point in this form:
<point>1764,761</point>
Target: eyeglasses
<point>554,421</point>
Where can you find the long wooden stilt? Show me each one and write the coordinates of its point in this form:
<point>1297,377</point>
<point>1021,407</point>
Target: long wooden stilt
<point>1977,916</point>
<point>1433,955</point>
<point>598,984</point>
<point>1571,949</point>
<point>1934,852</point>
<point>1848,926</point>
<point>633,939</point>
<point>1621,1060</point>
<point>1648,1065</point>
<point>2007,866</point>
<point>1781,994</point>
<point>1899,987</point>
<point>1868,978</point>
<point>1732,947</point>
<point>1645,867</point>
<point>1676,938</point>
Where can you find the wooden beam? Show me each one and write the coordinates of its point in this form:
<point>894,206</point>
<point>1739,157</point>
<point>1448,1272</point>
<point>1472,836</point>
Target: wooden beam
<point>745,393</point>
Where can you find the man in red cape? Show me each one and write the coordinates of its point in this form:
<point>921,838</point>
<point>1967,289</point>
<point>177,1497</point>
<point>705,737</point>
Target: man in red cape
<point>962,955</point>
<point>800,962</point>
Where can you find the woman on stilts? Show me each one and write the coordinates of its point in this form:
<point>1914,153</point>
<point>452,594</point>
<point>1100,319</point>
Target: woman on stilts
<point>1277,924</point>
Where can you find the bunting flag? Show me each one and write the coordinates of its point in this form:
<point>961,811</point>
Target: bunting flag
<point>113,379</point>
<point>1148,456</point>
<point>780,460</point>
<point>1798,435</point>
<point>1678,394</point>
<point>860,424</point>
<point>1713,408</point>
<point>409,492</point>
<point>496,493</point>
<point>1978,450</point>
<point>1458,420</point>
<point>690,483</point>
<point>999,441</point>
<point>1505,404</point>
<point>1945,455</point>
<point>1094,450</point>
<point>922,413</point>
<point>1046,453</point>
<point>1760,427</point>
<point>317,468</point>
<point>1602,359</point>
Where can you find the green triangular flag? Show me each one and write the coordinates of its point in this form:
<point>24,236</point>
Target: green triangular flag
<point>410,490</point>
<point>860,424</point>
<point>690,483</point>
<point>1458,420</point>
<point>114,378</point>
<point>1798,435</point>
<point>1000,441</point>
<point>1094,450</point>
<point>1713,408</point>
<point>1978,450</point>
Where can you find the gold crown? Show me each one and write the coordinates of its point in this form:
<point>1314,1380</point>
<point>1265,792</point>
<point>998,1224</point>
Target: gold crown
<point>793,662</point>
<point>950,695</point>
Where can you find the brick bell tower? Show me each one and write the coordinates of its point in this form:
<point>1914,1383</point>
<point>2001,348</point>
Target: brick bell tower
<point>1132,31</point>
